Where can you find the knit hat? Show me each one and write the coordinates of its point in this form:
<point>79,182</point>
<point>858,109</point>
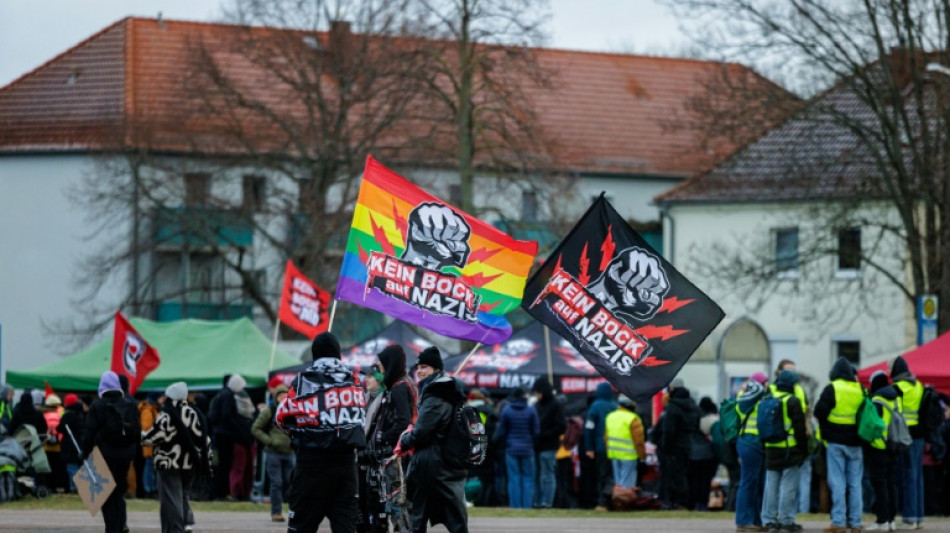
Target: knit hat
<point>431,357</point>
<point>179,390</point>
<point>325,345</point>
<point>879,381</point>
<point>236,383</point>
<point>626,401</point>
<point>53,401</point>
<point>109,381</point>
<point>787,378</point>
<point>70,399</point>
<point>274,381</point>
<point>759,377</point>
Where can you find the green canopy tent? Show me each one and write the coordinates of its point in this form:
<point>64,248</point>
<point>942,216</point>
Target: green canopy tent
<point>199,352</point>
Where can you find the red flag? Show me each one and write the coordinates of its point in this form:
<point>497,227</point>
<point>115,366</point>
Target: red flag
<point>303,305</point>
<point>49,389</point>
<point>131,355</point>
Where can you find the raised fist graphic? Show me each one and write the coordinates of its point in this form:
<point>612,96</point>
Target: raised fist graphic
<point>633,284</point>
<point>437,237</point>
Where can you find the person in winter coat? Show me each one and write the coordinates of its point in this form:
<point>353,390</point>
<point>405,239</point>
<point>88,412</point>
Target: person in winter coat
<point>372,510</point>
<point>71,427</point>
<point>881,461</point>
<point>437,491</point>
<point>552,423</point>
<point>324,483</point>
<point>783,459</point>
<point>625,442</point>
<point>910,465</point>
<point>25,412</point>
<point>518,427</point>
<point>279,459</point>
<point>180,442</point>
<point>485,472</point>
<point>242,466</point>
<point>105,429</point>
<point>148,412</point>
<point>837,412</point>
<point>751,456</point>
<point>703,461</point>
<point>680,422</point>
<point>594,446</point>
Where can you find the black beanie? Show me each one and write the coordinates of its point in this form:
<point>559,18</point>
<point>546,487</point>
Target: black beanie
<point>325,345</point>
<point>431,357</point>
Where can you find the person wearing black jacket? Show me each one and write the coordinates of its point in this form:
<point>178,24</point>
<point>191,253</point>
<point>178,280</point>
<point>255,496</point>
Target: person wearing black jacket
<point>881,461</point>
<point>552,425</point>
<point>25,412</point>
<point>103,421</point>
<point>437,491</point>
<point>680,421</point>
<point>74,418</point>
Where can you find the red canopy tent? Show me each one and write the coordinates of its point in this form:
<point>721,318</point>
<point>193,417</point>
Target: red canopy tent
<point>930,363</point>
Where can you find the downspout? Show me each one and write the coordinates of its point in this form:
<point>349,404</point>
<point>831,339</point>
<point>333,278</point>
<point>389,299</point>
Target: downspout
<point>668,250</point>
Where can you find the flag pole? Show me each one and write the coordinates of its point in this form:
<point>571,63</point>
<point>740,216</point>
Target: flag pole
<point>273,345</point>
<point>92,475</point>
<point>467,357</point>
<point>332,314</point>
<point>547,350</point>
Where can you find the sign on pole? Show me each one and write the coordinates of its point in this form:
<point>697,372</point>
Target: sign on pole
<point>94,481</point>
<point>926,318</point>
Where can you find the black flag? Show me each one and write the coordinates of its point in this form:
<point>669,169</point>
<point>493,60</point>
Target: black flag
<point>621,304</point>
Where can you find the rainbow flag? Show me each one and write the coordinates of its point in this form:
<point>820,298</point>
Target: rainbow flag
<point>416,258</point>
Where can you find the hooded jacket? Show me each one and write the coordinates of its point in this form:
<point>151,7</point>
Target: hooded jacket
<point>398,408</point>
<point>680,422</point>
<point>594,425</point>
<point>901,372</point>
<point>98,420</point>
<point>26,413</point>
<point>433,487</point>
<point>518,426</point>
<point>74,418</point>
<point>550,417</point>
<point>171,446</point>
<point>846,435</point>
<point>781,458</point>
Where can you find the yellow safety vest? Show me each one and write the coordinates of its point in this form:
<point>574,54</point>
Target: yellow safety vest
<point>913,394</point>
<point>751,426</point>
<point>790,440</point>
<point>848,398</point>
<point>799,393</point>
<point>881,443</point>
<point>619,439</point>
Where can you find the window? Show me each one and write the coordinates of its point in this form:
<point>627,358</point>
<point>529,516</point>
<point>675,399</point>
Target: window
<point>205,277</point>
<point>455,195</point>
<point>786,252</point>
<point>850,350</point>
<point>529,206</point>
<point>254,193</point>
<point>849,250</point>
<point>197,189</point>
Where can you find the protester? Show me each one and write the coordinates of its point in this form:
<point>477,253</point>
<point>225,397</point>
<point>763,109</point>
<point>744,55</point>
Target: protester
<point>552,424</point>
<point>625,441</point>
<point>594,446</point>
<point>751,456</point>
<point>372,510</point>
<point>837,411</point>
<point>882,462</point>
<point>910,464</point>
<point>429,362</point>
<point>703,460</point>
<point>148,412</point>
<point>52,413</point>
<point>6,409</point>
<point>804,473</point>
<point>222,438</point>
<point>70,428</point>
<point>180,448</point>
<point>112,424</point>
<point>324,483</point>
<point>680,422</point>
<point>485,472</point>
<point>783,459</point>
<point>25,413</point>
<point>518,427</point>
<point>437,491</point>
<point>279,458</point>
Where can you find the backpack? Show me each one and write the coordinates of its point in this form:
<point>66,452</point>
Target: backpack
<point>122,427</point>
<point>771,419</point>
<point>898,434</point>
<point>730,421</point>
<point>573,432</point>
<point>930,414</point>
<point>870,424</point>
<point>466,442</point>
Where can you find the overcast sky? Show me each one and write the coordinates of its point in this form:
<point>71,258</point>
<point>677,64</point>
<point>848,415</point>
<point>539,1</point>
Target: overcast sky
<point>34,31</point>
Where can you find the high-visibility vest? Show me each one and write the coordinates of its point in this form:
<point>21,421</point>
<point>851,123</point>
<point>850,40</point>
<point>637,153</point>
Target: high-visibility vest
<point>750,426</point>
<point>799,393</point>
<point>619,439</point>
<point>913,395</point>
<point>881,443</point>
<point>790,440</point>
<point>848,398</point>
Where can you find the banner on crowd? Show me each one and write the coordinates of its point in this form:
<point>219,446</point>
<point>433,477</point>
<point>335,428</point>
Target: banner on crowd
<point>303,305</point>
<point>131,355</point>
<point>622,305</point>
<point>414,257</point>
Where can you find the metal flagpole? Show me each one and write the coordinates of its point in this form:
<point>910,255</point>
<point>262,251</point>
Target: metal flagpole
<point>86,461</point>
<point>332,314</point>
<point>273,345</point>
<point>467,357</point>
<point>547,350</point>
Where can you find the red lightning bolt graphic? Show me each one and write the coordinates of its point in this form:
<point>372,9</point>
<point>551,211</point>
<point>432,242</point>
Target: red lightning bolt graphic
<point>380,235</point>
<point>583,277</point>
<point>607,249</point>
<point>546,289</point>
<point>487,307</point>
<point>479,279</point>
<point>672,304</point>
<point>653,361</point>
<point>660,332</point>
<point>363,255</point>
<point>401,223</point>
<point>482,254</point>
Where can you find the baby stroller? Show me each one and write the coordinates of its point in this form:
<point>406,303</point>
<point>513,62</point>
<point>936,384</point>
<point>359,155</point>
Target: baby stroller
<point>11,457</point>
<point>31,472</point>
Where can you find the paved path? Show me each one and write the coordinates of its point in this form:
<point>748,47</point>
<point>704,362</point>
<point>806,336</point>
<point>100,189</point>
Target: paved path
<point>147,522</point>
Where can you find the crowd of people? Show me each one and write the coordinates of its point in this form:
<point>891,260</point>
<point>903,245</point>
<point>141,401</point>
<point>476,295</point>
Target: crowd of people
<point>366,450</point>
